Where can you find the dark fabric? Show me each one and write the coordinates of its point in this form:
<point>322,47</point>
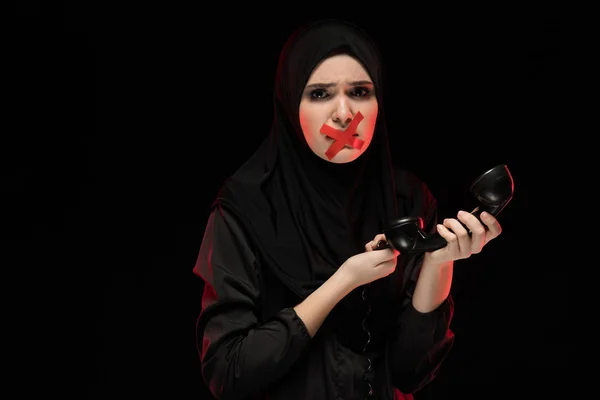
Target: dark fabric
<point>308,215</point>
<point>254,346</point>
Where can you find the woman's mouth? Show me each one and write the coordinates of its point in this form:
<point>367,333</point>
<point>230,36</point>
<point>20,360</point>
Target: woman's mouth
<point>331,139</point>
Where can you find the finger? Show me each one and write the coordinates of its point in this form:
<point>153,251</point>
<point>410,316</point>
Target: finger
<point>450,237</point>
<point>374,244</point>
<point>380,256</point>
<point>478,233</point>
<point>379,237</point>
<point>494,228</point>
<point>462,235</point>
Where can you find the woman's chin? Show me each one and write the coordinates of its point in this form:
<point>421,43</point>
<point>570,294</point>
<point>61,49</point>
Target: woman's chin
<point>346,155</point>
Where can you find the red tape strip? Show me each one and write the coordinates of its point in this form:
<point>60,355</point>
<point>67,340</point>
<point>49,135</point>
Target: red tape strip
<point>343,138</point>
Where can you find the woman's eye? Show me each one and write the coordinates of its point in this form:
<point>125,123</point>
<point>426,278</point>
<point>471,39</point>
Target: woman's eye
<point>318,94</point>
<point>360,92</point>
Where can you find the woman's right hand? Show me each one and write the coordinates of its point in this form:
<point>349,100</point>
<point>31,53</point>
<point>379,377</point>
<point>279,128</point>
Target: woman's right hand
<point>371,265</point>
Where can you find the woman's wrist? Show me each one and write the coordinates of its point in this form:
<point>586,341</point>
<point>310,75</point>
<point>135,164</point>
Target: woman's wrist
<point>429,262</point>
<point>343,280</point>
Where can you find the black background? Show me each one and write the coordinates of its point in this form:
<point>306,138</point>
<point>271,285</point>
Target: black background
<point>123,122</point>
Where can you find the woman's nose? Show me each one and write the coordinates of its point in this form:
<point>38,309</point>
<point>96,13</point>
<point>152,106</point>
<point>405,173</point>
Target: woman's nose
<point>342,113</point>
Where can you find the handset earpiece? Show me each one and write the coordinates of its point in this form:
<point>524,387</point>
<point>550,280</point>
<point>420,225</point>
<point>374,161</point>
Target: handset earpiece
<point>493,190</point>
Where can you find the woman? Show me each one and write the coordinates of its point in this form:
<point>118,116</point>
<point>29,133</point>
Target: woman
<point>298,302</point>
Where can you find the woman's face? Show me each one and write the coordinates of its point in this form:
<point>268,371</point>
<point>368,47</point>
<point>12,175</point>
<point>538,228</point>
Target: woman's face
<point>338,90</point>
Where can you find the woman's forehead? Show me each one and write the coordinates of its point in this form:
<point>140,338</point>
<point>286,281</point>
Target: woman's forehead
<point>337,69</point>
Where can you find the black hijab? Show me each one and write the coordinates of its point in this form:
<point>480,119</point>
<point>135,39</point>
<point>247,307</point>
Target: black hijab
<point>306,215</point>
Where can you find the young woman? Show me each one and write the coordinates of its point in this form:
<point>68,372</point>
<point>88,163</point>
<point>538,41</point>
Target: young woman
<point>298,303</point>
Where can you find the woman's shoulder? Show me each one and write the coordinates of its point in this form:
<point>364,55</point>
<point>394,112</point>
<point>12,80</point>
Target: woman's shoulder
<point>224,243</point>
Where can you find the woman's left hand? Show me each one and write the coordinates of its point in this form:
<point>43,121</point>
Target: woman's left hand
<point>461,244</point>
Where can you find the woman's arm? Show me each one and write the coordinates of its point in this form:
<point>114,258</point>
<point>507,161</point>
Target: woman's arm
<point>422,338</point>
<point>317,306</point>
<point>433,285</point>
<point>239,354</point>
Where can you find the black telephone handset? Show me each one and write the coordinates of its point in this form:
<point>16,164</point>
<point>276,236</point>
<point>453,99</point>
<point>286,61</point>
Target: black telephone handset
<point>493,190</point>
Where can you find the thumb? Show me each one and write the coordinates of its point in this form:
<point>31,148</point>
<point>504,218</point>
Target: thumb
<point>379,256</point>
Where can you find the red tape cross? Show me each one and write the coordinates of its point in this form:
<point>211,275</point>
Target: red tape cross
<point>343,138</point>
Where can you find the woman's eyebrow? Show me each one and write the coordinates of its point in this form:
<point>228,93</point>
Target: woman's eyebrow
<point>331,84</point>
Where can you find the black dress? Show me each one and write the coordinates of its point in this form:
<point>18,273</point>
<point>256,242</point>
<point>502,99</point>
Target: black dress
<point>253,345</point>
